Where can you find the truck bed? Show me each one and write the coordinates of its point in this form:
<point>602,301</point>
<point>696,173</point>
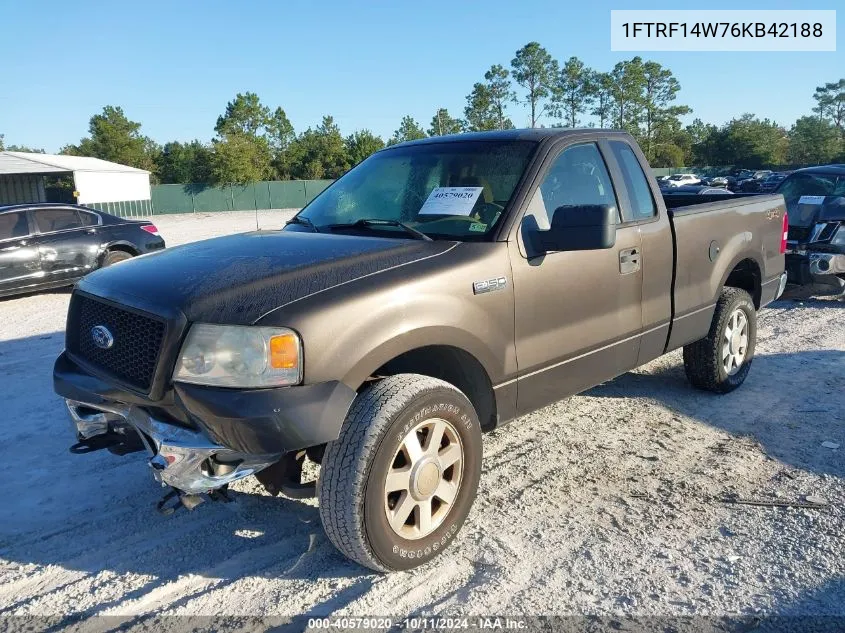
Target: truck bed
<point>678,200</point>
<point>712,235</point>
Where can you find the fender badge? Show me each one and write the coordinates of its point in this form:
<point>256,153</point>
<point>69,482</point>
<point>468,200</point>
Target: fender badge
<point>480,287</point>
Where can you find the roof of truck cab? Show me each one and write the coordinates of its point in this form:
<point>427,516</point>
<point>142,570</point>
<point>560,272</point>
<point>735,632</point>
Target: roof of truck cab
<point>528,134</point>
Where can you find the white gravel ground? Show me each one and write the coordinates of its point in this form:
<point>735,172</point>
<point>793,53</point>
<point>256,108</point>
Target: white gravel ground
<point>607,503</point>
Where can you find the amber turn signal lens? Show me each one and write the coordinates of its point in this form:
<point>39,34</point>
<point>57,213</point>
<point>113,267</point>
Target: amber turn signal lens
<point>284,351</point>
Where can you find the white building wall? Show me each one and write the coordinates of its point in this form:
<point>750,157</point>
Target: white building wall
<point>103,186</point>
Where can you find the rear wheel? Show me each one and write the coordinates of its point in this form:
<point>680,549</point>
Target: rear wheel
<point>113,257</point>
<point>399,481</point>
<point>721,361</point>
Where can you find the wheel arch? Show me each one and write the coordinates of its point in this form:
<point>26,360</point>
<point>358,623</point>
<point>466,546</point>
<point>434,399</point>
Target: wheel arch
<point>745,273</point>
<point>453,365</point>
<point>117,245</point>
<point>457,363</point>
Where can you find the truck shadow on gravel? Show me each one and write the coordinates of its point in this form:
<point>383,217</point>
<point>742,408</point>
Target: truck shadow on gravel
<point>790,404</point>
<point>183,559</point>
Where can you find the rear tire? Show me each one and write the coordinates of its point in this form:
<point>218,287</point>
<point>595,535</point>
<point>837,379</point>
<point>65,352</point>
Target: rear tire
<point>390,499</point>
<point>721,361</point>
<point>113,257</point>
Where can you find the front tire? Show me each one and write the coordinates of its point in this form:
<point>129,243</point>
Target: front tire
<point>398,483</point>
<point>721,361</point>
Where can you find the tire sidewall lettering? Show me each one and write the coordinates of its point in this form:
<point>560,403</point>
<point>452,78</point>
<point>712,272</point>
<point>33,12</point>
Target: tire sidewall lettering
<point>428,550</point>
<point>394,551</point>
<point>429,411</point>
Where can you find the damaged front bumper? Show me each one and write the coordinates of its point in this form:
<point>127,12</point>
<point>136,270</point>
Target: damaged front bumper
<point>201,439</point>
<point>827,264</point>
<point>814,272</point>
<point>179,457</point>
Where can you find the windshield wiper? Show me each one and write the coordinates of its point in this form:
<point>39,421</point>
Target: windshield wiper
<point>299,219</point>
<point>369,222</point>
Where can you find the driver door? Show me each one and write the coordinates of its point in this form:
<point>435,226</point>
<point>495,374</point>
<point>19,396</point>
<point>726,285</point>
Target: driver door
<point>578,313</point>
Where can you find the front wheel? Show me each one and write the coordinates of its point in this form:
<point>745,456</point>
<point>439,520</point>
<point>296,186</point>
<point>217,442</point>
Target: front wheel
<point>399,481</point>
<point>721,361</point>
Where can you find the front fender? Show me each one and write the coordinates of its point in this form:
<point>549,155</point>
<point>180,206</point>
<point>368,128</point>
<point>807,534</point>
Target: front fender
<point>351,348</point>
<point>350,331</point>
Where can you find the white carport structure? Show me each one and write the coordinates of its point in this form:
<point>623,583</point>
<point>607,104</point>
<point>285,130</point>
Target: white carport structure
<point>107,186</point>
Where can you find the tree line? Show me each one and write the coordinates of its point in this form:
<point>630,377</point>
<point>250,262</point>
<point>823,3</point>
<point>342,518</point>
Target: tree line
<point>255,142</point>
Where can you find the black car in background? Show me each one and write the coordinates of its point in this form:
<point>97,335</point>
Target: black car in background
<point>815,247</point>
<point>737,176</point>
<point>52,245</point>
<point>754,183</point>
<point>771,183</point>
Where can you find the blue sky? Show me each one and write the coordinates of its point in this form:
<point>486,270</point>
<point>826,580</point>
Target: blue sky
<point>174,65</point>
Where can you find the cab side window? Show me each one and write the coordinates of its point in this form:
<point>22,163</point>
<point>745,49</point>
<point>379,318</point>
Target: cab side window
<point>49,220</point>
<point>578,177</point>
<point>13,225</point>
<point>642,202</point>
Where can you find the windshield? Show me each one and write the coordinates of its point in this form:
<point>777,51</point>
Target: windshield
<point>452,190</point>
<point>797,185</point>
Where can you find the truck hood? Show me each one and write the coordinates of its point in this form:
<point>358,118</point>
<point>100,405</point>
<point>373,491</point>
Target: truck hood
<point>820,209</point>
<point>238,278</point>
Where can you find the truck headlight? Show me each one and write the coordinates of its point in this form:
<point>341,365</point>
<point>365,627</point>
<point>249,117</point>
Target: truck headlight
<point>839,236</point>
<point>239,356</point>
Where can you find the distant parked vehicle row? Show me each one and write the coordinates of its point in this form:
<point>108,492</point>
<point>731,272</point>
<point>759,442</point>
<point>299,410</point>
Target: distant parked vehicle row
<point>759,181</point>
<point>681,180</point>
<point>715,181</point>
<point>676,181</point>
<point>46,246</point>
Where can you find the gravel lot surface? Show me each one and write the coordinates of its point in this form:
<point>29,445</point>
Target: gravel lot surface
<point>612,502</point>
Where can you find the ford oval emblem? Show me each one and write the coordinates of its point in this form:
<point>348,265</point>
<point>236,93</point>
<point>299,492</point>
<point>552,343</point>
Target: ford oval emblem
<point>102,337</point>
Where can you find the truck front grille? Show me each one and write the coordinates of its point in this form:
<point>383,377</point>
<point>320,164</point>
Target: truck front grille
<point>136,340</point>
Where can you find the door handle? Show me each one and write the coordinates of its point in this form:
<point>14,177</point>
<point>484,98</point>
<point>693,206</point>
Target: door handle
<point>629,261</point>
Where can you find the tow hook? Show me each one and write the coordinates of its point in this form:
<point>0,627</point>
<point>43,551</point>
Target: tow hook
<point>175,499</point>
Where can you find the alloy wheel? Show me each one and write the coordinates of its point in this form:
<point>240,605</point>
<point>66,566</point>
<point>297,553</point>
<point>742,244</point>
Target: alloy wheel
<point>424,478</point>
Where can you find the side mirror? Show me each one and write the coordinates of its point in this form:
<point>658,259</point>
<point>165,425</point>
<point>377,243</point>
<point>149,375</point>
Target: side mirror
<point>580,228</point>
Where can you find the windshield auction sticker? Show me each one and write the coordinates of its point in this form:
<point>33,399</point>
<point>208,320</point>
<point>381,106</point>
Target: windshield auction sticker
<point>814,200</point>
<point>722,30</point>
<point>451,201</point>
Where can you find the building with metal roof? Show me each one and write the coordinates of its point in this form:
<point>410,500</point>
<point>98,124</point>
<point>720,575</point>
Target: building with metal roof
<point>112,187</point>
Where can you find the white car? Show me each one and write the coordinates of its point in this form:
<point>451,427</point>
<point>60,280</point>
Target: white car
<point>680,180</point>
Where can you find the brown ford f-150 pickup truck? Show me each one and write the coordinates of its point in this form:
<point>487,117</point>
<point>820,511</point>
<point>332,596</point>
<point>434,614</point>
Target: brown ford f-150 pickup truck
<point>437,290</point>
